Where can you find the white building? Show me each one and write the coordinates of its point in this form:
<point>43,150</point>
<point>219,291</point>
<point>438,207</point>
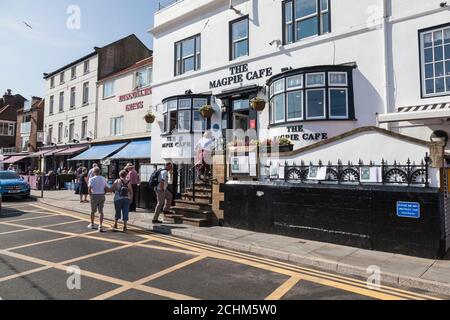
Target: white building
<point>324,69</point>
<point>124,98</point>
<point>72,116</point>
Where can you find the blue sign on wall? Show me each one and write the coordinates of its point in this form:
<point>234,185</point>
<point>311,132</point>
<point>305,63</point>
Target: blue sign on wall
<point>408,209</point>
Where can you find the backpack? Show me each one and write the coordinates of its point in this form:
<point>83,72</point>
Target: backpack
<point>123,192</point>
<point>154,178</point>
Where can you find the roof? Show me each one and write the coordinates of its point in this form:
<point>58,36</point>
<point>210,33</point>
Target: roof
<point>140,64</point>
<point>49,75</point>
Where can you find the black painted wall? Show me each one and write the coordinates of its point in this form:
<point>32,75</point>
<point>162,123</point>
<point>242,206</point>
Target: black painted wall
<point>359,216</point>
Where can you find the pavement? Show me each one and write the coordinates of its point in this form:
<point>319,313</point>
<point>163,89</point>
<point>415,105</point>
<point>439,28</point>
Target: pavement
<point>404,271</point>
<point>48,253</point>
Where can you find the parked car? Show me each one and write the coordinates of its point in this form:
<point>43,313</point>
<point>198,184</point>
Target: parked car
<point>11,184</point>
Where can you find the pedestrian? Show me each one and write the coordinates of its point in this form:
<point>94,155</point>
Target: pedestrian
<point>91,172</point>
<point>83,189</point>
<point>135,181</point>
<point>98,187</point>
<point>123,195</point>
<point>11,168</point>
<point>163,194</point>
<point>203,150</point>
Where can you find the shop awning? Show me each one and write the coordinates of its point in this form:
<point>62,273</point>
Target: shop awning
<point>14,159</point>
<point>135,150</point>
<point>41,153</point>
<point>414,113</point>
<point>99,152</point>
<point>70,151</point>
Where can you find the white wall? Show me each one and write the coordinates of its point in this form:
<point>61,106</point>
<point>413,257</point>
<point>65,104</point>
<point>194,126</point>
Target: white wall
<point>80,110</point>
<point>111,107</point>
<point>351,40</point>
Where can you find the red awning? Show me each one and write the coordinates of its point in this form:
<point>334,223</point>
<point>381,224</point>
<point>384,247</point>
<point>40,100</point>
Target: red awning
<point>70,151</point>
<point>14,159</point>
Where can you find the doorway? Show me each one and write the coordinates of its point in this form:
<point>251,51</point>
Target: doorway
<point>241,121</point>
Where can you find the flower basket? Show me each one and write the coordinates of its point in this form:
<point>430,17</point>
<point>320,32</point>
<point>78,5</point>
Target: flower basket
<point>206,111</point>
<point>258,104</point>
<point>149,117</point>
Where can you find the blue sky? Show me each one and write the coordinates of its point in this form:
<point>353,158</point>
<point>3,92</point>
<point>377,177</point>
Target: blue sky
<point>25,54</point>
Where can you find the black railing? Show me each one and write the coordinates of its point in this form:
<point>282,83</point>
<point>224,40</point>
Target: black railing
<point>189,177</point>
<point>395,173</point>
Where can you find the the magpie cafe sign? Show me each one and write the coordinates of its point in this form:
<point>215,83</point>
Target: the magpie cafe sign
<point>297,133</point>
<point>238,74</point>
<point>176,142</point>
<point>135,94</point>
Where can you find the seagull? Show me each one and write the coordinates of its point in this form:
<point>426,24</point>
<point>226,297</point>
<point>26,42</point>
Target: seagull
<point>27,25</point>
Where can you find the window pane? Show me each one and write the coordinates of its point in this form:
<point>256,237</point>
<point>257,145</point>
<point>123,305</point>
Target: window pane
<point>429,86</point>
<point>240,29</point>
<point>438,53</point>
<point>428,55</point>
<point>440,85</point>
<point>197,45</point>
<point>338,78</point>
<point>188,47</point>
<point>437,38</point>
<point>447,35</point>
<point>278,107</point>
<point>278,86</point>
<point>317,79</point>
<point>447,68</point>
<point>448,84</point>
<point>172,105</point>
<point>305,7</point>
<point>198,103</point>
<point>307,28</point>
<point>288,12</point>
<point>439,69</point>
<point>447,51</point>
<point>295,105</point>
<point>199,122</point>
<point>295,82</point>
<point>338,103</point>
<point>240,49</point>
<point>315,103</point>
<point>184,120</point>
<point>289,33</point>
<point>325,23</point>
<point>241,104</point>
<point>185,104</point>
<point>429,71</point>
<point>428,40</point>
<point>188,64</point>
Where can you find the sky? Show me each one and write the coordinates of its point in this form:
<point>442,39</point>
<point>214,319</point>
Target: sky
<point>59,35</point>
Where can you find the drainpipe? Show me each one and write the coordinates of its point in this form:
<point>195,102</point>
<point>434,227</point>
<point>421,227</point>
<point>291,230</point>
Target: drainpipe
<point>386,49</point>
<point>96,111</point>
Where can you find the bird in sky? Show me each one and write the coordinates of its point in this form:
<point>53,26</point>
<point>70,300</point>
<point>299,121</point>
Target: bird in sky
<point>27,25</point>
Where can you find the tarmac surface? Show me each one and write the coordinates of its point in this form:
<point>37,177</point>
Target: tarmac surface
<point>48,253</point>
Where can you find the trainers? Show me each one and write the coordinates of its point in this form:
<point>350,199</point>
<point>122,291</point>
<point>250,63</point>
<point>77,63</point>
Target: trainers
<point>100,229</point>
<point>92,226</point>
<point>156,222</point>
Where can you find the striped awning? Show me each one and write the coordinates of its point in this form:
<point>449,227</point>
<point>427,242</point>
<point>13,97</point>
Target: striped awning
<point>422,112</point>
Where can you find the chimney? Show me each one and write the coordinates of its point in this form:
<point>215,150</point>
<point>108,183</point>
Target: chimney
<point>8,92</point>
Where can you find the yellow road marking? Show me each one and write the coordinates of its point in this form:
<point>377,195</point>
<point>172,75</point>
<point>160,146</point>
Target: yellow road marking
<point>312,275</point>
<point>147,279</point>
<point>26,219</point>
<point>281,291</point>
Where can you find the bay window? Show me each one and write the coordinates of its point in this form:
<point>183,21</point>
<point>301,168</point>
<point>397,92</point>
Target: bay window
<point>183,114</point>
<point>187,55</point>
<point>305,18</point>
<point>316,93</point>
<point>435,61</point>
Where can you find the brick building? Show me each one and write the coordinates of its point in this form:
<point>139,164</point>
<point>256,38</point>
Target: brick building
<point>9,105</point>
<point>30,126</point>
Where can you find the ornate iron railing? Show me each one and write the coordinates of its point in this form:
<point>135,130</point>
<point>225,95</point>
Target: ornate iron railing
<point>410,173</point>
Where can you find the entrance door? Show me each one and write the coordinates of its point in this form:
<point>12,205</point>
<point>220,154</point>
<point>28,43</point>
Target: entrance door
<point>240,121</point>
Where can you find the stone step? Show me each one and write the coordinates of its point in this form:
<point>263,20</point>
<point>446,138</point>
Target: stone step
<point>199,190</point>
<point>192,213</point>
<point>198,222</point>
<point>174,218</point>
<point>193,205</point>
<point>198,198</point>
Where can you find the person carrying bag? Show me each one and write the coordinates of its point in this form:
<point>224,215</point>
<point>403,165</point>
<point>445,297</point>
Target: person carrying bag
<point>123,195</point>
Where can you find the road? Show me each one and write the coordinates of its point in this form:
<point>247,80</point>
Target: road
<point>48,253</point>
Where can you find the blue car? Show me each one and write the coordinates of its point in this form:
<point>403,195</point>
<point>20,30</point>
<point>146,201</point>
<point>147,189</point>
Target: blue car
<point>11,184</point>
